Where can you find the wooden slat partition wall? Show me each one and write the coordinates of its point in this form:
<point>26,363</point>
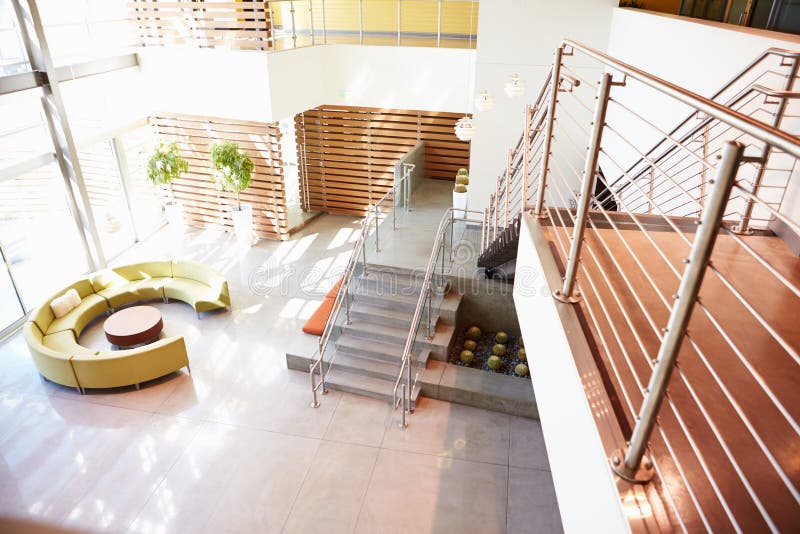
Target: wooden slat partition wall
<point>203,203</point>
<point>347,154</point>
<point>242,25</point>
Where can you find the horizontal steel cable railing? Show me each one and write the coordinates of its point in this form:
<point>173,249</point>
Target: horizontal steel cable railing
<point>400,195</point>
<point>423,322</point>
<point>512,188</point>
<point>774,68</point>
<point>285,24</point>
<point>689,316</point>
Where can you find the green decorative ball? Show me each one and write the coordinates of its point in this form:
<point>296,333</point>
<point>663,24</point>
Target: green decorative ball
<point>494,363</point>
<point>473,333</point>
<point>470,345</point>
<point>499,350</point>
<point>501,338</point>
<point>460,189</point>
<point>462,180</point>
<point>522,356</point>
<point>462,172</point>
<point>467,356</point>
<point>521,369</point>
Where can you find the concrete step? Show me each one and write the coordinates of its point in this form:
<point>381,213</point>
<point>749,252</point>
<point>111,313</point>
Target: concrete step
<point>376,368</point>
<point>439,344</point>
<point>374,296</point>
<point>348,343</point>
<point>340,379</point>
<point>398,303</point>
<point>361,311</point>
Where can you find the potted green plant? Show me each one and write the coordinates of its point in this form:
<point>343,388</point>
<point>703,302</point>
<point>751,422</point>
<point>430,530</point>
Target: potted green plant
<point>164,166</point>
<point>460,194</point>
<point>232,170</point>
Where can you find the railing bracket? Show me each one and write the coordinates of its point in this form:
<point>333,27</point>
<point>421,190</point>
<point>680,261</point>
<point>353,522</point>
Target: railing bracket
<point>559,296</point>
<point>642,475</point>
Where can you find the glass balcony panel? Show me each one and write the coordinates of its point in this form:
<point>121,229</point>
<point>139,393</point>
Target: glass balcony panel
<point>148,215</point>
<point>39,234</point>
<point>23,132</point>
<point>107,198</point>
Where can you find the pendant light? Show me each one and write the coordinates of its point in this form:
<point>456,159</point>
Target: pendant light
<point>485,101</point>
<point>515,86</point>
<point>465,128</point>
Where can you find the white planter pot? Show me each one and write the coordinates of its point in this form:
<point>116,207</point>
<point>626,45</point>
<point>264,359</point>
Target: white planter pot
<point>174,213</point>
<point>459,205</point>
<point>242,217</point>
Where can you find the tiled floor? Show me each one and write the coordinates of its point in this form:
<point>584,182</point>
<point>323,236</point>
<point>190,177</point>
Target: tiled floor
<point>235,447</point>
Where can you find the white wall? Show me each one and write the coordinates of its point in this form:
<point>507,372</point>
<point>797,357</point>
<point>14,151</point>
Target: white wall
<point>588,499</point>
<point>273,86</point>
<point>519,36</point>
<point>207,82</point>
<point>698,55</point>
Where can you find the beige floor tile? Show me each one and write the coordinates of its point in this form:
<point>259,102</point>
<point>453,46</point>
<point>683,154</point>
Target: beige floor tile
<point>334,489</point>
<point>131,475</point>
<point>264,483</point>
<point>532,505</point>
<point>415,493</point>
<point>57,450</point>
<point>454,430</point>
<point>527,444</point>
<point>359,420</point>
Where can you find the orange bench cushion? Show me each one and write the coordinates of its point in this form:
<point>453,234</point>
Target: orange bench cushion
<point>316,323</point>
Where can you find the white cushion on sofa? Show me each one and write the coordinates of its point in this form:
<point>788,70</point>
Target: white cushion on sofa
<point>65,303</point>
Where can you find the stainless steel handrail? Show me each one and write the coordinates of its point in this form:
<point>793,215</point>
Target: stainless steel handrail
<point>370,220</point>
<point>772,136</point>
<point>424,299</point>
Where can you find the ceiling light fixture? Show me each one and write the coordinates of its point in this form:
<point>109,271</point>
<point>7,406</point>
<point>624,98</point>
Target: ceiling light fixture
<point>515,86</point>
<point>485,101</point>
<point>465,129</point>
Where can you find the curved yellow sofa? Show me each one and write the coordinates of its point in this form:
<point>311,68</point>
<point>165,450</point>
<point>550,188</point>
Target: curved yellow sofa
<point>53,342</point>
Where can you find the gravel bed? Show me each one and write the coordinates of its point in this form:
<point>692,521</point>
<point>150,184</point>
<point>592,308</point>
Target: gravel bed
<point>484,350</point>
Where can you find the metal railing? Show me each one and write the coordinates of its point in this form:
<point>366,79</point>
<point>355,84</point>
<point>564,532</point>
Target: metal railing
<point>665,245</point>
<point>286,24</point>
<point>400,195</point>
<point>433,286</point>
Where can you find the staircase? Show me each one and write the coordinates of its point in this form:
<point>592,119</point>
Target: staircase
<point>503,249</point>
<point>367,351</point>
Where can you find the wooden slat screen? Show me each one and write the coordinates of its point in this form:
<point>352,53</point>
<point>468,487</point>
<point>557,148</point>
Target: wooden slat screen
<point>242,25</point>
<point>347,154</point>
<point>203,203</point>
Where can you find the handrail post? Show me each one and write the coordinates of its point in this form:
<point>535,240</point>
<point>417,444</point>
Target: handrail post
<point>403,423</point>
<point>439,26</point>
<point>743,228</point>
<point>527,156</point>
<point>347,308</point>
<point>635,468</point>
<point>398,22</point>
<point>360,22</point>
<point>548,135</point>
<point>294,29</point>
<point>496,201</point>
<point>311,20</point>
<point>324,25</point>
<point>377,247</point>
<point>315,401</point>
<point>509,156</point>
<point>567,293</point>
<point>483,229</point>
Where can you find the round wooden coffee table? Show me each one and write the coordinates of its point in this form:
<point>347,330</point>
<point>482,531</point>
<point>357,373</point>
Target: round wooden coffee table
<point>133,326</point>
